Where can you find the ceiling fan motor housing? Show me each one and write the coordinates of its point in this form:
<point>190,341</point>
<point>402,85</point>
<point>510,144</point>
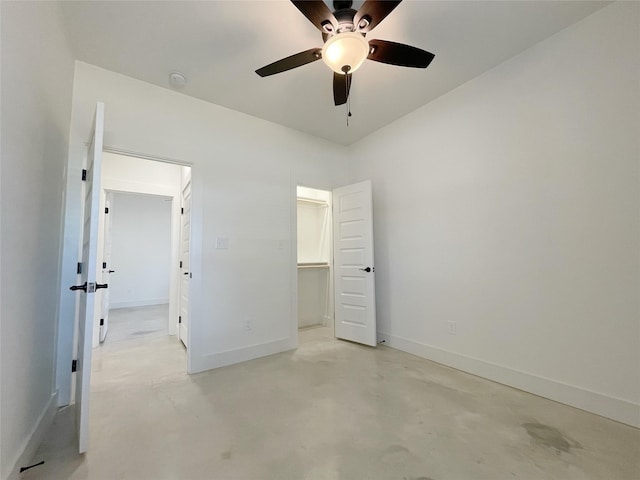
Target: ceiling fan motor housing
<point>344,18</point>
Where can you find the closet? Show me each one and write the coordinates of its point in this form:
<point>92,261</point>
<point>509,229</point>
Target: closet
<point>315,282</point>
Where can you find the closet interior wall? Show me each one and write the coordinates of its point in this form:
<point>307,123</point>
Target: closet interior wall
<point>315,305</point>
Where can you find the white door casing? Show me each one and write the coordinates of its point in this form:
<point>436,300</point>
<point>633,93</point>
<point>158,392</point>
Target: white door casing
<point>354,286</point>
<point>106,268</point>
<point>185,271</point>
<point>88,277</point>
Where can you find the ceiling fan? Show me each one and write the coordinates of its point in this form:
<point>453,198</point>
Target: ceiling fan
<point>345,46</point>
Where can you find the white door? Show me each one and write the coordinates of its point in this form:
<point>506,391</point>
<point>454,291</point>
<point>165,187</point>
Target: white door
<point>185,271</point>
<point>354,278</point>
<point>88,277</point>
<point>106,268</point>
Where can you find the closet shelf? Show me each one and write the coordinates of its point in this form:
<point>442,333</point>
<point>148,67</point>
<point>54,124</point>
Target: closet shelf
<point>319,203</point>
<point>313,265</point>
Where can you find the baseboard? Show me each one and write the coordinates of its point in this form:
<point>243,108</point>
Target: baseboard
<point>33,441</point>
<point>230,357</point>
<point>138,303</point>
<point>618,409</point>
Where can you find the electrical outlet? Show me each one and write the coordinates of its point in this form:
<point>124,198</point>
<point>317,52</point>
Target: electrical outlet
<point>249,325</point>
<point>452,328</point>
<point>222,243</point>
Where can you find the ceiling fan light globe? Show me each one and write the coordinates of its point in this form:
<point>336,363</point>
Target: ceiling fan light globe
<point>345,52</point>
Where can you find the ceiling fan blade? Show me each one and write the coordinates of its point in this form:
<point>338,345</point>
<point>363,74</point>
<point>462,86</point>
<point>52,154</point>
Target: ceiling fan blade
<point>399,54</point>
<point>372,12</point>
<point>293,61</point>
<point>341,88</point>
<point>317,13</point>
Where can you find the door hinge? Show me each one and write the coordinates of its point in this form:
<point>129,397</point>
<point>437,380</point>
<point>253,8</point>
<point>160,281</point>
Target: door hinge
<point>84,174</point>
<point>181,210</point>
<point>179,319</point>
<point>102,322</point>
<point>180,263</point>
<point>104,265</point>
<point>79,269</point>
<point>74,365</point>
<point>106,209</point>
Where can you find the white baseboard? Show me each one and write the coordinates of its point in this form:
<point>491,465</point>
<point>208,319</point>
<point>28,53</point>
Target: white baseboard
<point>618,409</point>
<point>34,439</point>
<point>138,303</point>
<point>229,357</point>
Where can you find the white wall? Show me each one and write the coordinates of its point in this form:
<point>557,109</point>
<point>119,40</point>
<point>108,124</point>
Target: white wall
<point>138,175</point>
<point>511,207</point>
<point>141,250</point>
<point>313,232</point>
<point>244,175</point>
<point>37,74</point>
<point>314,296</point>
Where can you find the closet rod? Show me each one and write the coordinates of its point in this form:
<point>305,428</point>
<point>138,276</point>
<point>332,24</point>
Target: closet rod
<point>310,200</point>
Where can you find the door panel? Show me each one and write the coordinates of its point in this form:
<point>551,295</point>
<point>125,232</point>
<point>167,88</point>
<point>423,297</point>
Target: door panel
<point>185,242</point>
<point>353,253</point>
<point>88,277</point>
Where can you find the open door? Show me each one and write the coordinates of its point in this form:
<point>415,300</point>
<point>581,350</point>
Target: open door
<point>88,282</point>
<point>106,268</point>
<point>185,262</point>
<point>354,279</point>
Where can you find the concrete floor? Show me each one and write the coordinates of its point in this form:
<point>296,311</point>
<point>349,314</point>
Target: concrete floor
<point>137,322</point>
<point>330,410</point>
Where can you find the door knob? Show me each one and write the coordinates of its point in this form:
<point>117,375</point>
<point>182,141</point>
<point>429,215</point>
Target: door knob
<point>368,269</point>
<point>92,287</point>
<point>111,271</point>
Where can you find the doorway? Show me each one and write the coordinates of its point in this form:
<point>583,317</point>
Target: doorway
<point>142,204</point>
<point>335,262</point>
<point>314,259</point>
<point>136,265</point>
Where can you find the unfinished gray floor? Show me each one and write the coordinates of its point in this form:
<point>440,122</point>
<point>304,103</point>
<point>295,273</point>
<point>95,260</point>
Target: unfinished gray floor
<point>131,323</point>
<point>330,410</point>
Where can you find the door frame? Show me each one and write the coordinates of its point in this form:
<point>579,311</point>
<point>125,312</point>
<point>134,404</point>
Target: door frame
<point>104,234</point>
<point>294,256</point>
<point>183,323</point>
<point>123,186</point>
<point>66,345</point>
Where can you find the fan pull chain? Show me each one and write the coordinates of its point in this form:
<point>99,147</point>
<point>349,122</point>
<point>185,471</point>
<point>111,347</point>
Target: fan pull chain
<point>347,85</point>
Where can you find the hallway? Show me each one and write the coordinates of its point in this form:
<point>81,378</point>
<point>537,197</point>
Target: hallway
<point>329,410</point>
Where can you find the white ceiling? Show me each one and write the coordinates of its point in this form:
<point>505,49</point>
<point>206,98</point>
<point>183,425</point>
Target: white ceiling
<point>219,44</point>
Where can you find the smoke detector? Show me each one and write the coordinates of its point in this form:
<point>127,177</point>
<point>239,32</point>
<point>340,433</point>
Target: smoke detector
<point>177,80</point>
